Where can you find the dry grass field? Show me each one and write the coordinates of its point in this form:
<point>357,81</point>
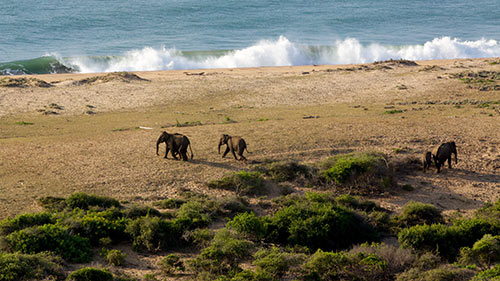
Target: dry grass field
<point>88,137</point>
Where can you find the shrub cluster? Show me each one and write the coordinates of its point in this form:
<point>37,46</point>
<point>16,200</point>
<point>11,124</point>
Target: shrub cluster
<point>17,266</point>
<point>287,171</point>
<point>414,213</point>
<point>242,182</point>
<point>90,274</point>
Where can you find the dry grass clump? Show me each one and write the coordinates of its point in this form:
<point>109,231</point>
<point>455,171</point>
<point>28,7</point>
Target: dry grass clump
<point>400,62</point>
<point>126,77</point>
<point>23,82</point>
<point>481,80</point>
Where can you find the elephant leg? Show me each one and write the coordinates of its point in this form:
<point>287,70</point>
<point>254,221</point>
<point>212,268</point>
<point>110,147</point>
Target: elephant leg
<point>225,152</point>
<point>240,153</point>
<point>234,154</point>
<point>166,152</point>
<point>449,161</point>
<point>183,153</point>
<point>438,166</point>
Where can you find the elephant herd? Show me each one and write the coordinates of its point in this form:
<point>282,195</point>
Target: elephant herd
<point>178,144</point>
<point>440,154</point>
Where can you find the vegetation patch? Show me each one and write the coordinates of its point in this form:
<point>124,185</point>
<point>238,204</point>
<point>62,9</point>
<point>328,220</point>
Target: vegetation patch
<point>481,80</point>
<point>126,77</point>
<point>85,201</point>
<point>23,82</point>
<point>90,274</point>
<point>287,171</point>
<point>414,213</point>
<point>17,266</point>
<point>242,182</point>
<point>393,111</point>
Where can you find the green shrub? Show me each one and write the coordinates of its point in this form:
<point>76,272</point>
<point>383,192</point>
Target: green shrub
<point>285,171</point>
<point>200,236</point>
<point>325,266</point>
<point>224,253</point>
<point>53,204</point>
<point>140,211</point>
<point>355,202</point>
<point>250,224</point>
<point>50,238</point>
<point>170,264</point>
<point>10,225</point>
<point>115,257</point>
<point>277,262</point>
<point>90,274</point>
<point>484,252</point>
<point>242,182</point>
<point>84,201</point>
<point>414,213</point>
<point>197,214</point>
<point>343,168</point>
<point>447,240</point>
<point>154,234</point>
<point>97,225</point>
<point>172,203</point>
<point>443,273</point>
<point>234,205</point>
<point>17,266</point>
<point>316,225</point>
<point>492,274</point>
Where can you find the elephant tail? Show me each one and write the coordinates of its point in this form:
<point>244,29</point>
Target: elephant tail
<point>192,155</point>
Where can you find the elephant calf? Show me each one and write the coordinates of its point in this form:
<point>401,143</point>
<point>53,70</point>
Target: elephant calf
<point>234,144</point>
<point>427,160</point>
<point>444,152</point>
<point>177,143</point>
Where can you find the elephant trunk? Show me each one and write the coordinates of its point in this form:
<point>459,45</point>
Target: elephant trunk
<point>219,147</point>
<point>456,157</point>
<point>158,144</point>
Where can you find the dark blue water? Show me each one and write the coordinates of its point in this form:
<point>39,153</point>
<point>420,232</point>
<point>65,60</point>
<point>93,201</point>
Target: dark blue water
<point>154,34</point>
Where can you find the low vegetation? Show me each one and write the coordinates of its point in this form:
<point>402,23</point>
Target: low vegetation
<point>320,235</point>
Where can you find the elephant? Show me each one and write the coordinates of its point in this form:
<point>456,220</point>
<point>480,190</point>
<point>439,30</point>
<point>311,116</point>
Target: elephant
<point>427,160</point>
<point>177,143</point>
<point>234,144</point>
<point>444,152</point>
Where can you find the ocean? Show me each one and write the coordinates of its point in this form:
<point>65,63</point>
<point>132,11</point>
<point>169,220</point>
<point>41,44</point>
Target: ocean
<point>56,36</point>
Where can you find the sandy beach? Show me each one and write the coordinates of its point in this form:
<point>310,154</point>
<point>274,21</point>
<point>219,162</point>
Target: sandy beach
<point>98,135</point>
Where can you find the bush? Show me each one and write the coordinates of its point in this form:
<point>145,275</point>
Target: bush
<point>195,213</point>
<point>484,252</point>
<point>140,211</point>
<point>316,225</point>
<point>115,257</point>
<point>17,266</point>
<point>84,201</point>
<point>414,213</point>
<point>10,225</point>
<point>447,240</point>
<point>488,274</point>
<point>200,236</point>
<point>443,273</point>
<point>50,238</point>
<point>170,264</point>
<point>53,204</point>
<point>342,169</point>
<point>224,253</point>
<point>154,234</point>
<point>356,203</point>
<point>249,224</point>
<point>276,262</point>
<point>97,225</point>
<point>171,203</point>
<point>325,266</point>
<point>285,171</point>
<point>90,274</point>
<point>242,182</point>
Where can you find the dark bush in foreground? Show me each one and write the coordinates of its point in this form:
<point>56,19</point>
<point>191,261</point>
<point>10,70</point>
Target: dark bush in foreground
<point>50,238</point>
<point>488,274</point>
<point>172,203</point>
<point>355,202</point>
<point>224,253</point>
<point>17,267</point>
<point>316,225</point>
<point>140,211</point>
<point>447,240</point>
<point>84,201</point>
<point>154,234</point>
<point>443,273</point>
<point>242,182</point>
<point>10,225</point>
<point>414,213</point>
<point>277,262</point>
<point>53,204</point>
<point>90,274</point>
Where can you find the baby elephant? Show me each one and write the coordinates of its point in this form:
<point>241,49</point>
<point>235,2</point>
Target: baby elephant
<point>427,160</point>
<point>444,152</point>
<point>234,144</point>
<point>176,143</point>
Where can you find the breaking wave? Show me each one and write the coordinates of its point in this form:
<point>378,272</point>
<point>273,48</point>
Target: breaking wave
<point>280,52</point>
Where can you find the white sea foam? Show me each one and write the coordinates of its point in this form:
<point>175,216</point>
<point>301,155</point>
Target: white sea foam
<point>282,52</point>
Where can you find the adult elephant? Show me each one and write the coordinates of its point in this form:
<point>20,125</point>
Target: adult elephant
<point>444,152</point>
<point>234,144</point>
<point>176,143</point>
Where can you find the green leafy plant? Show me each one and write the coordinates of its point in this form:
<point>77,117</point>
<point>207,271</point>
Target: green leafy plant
<point>170,264</point>
<point>17,266</point>
<point>249,224</point>
<point>414,213</point>
<point>90,274</point>
<point>242,182</point>
<point>84,201</point>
